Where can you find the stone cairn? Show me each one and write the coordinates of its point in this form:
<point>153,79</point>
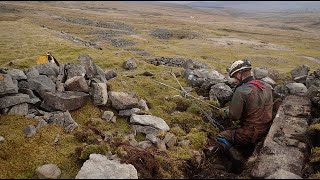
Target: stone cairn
<point>47,93</point>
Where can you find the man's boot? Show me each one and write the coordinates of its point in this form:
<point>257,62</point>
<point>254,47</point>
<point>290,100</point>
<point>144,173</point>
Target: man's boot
<point>237,159</point>
<point>235,156</point>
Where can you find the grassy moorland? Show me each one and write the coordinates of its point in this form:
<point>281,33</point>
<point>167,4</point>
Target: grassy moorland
<point>214,36</point>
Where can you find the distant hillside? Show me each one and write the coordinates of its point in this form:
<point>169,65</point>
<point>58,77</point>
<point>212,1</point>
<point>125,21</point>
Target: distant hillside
<point>261,6</point>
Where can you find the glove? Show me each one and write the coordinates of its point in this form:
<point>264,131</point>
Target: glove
<point>225,142</point>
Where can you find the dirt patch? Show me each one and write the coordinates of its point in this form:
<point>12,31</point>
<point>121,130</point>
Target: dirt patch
<point>255,44</point>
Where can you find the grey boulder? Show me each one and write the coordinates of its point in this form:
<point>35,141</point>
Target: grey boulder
<point>16,74</point>
<point>121,100</point>
<point>100,167</point>
<point>297,88</point>
<point>129,64</point>
<point>77,83</point>
<point>6,85</point>
<point>41,84</point>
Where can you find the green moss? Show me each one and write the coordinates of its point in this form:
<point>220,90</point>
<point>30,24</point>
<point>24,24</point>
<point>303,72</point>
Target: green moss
<point>181,152</point>
<point>315,176</point>
<point>197,138</point>
<point>314,127</point>
<point>186,120</point>
<point>140,137</point>
<point>94,149</point>
<point>20,156</point>
<point>85,113</point>
<point>177,131</point>
<point>170,167</point>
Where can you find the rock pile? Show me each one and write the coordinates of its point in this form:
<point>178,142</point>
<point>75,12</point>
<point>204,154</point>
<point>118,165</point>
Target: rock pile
<point>161,33</point>
<point>220,87</point>
<point>47,92</point>
<point>177,62</point>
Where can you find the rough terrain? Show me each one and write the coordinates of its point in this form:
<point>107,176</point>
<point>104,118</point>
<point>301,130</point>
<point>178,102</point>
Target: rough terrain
<point>113,108</point>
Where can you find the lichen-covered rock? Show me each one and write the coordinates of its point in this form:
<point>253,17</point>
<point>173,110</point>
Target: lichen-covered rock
<point>121,100</point>
<point>31,72</point>
<point>19,109</point>
<point>63,119</point>
<point>16,74</point>
<point>77,83</point>
<point>6,85</point>
<point>109,74</point>
<point>41,84</point>
<point>128,112</point>
<point>283,148</point>
<point>48,69</point>
<point>99,94</point>
<point>12,100</point>
<point>89,65</point>
<point>73,69</point>
<point>149,120</point>
<point>260,73</point>
<point>297,88</point>
<point>129,64</point>
<point>220,92</point>
<point>100,167</point>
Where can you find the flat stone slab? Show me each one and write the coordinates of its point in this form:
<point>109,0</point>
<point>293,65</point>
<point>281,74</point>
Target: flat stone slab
<point>8,101</point>
<point>68,100</point>
<point>282,148</point>
<point>100,167</point>
<point>149,120</point>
